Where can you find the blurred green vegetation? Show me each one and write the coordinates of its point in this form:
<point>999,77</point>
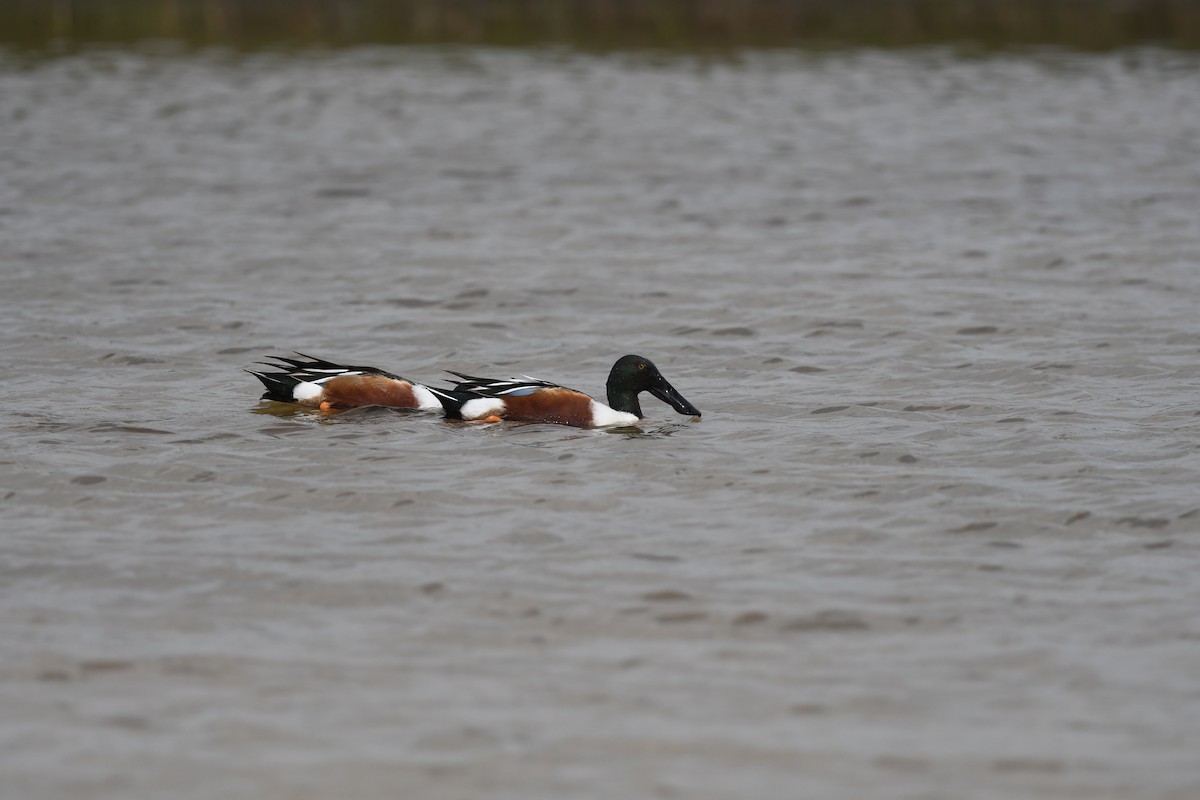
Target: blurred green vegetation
<point>602,24</point>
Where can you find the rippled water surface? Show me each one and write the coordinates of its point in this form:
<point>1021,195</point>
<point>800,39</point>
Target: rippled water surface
<point>937,534</point>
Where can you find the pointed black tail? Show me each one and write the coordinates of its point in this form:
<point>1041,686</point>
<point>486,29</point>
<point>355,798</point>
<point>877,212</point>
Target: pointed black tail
<point>279,385</point>
<point>451,400</point>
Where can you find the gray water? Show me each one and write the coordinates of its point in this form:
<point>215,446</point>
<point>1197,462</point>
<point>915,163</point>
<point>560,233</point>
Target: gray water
<point>936,535</point>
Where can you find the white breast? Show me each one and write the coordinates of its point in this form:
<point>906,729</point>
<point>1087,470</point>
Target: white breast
<point>426,400</point>
<point>603,415</point>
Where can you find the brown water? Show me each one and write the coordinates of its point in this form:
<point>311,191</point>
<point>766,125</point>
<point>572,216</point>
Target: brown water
<point>937,534</point>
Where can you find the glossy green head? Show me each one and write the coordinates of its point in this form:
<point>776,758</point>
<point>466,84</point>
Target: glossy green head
<point>632,375</point>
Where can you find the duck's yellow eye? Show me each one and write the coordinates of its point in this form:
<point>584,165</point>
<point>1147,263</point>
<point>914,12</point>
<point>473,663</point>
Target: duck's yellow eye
<point>641,366</point>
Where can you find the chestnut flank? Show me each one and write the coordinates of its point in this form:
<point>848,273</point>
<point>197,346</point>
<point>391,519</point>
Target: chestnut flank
<point>351,391</point>
<point>561,406</point>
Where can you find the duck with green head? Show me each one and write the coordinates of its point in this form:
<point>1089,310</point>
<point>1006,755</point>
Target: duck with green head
<point>531,400</point>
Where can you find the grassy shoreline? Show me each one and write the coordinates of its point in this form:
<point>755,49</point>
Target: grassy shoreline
<point>604,24</point>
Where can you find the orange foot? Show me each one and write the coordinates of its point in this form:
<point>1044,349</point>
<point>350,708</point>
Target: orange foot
<point>326,405</point>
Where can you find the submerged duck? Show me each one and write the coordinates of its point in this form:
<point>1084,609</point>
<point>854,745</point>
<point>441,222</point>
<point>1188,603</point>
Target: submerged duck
<point>328,386</point>
<point>532,400</point>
